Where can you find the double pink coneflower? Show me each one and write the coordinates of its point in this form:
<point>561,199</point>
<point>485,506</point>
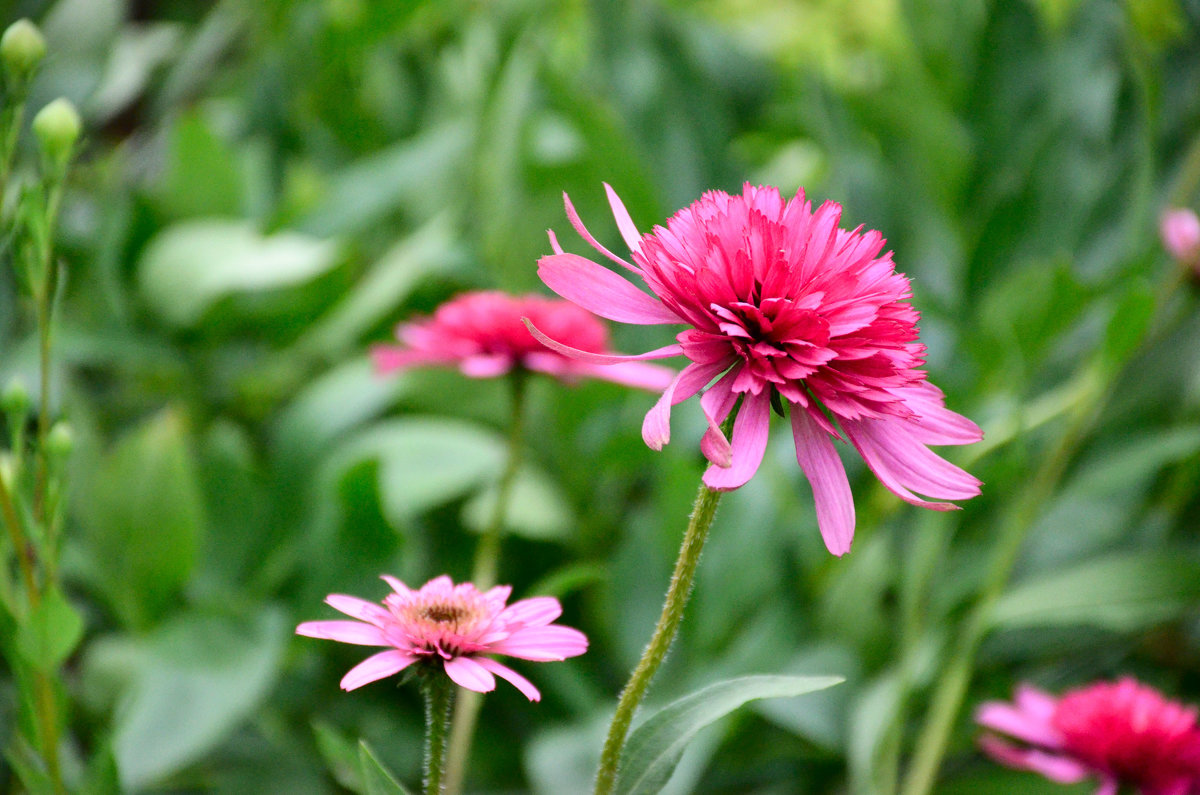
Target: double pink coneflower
<point>783,309</point>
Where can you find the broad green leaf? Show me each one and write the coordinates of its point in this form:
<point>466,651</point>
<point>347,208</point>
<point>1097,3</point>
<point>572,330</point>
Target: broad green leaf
<point>1123,592</point>
<point>187,685</point>
<point>191,265</point>
<point>654,748</point>
<point>342,757</point>
<point>143,519</point>
<point>202,178</point>
<point>423,461</point>
<point>50,632</point>
<point>1128,324</point>
<point>536,508</point>
<point>377,779</point>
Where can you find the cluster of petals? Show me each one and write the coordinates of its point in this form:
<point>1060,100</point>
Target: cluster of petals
<point>453,627</point>
<point>1180,231</point>
<point>781,306</point>
<point>482,334</point>
<point>1123,733</point>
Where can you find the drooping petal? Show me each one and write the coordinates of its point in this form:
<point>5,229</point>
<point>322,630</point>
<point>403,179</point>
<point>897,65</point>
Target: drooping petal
<point>389,358</point>
<point>934,423</point>
<point>750,432</point>
<point>827,475</point>
<point>542,644</point>
<point>664,352</point>
<point>1003,717</point>
<point>879,466</point>
<point>1055,767</point>
<point>629,232</point>
<point>504,672</point>
<point>656,427</point>
<point>355,632</point>
<point>716,404</point>
<point>468,673</point>
<point>577,222</point>
<point>375,667</point>
<point>914,464</point>
<point>651,377</point>
<point>600,291</point>
<point>485,365</point>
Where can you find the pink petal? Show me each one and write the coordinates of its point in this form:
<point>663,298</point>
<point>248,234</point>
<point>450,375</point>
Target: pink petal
<point>935,423</point>
<point>361,609</point>
<point>831,489</point>
<point>504,672</point>
<point>716,404</point>
<point>652,377</point>
<point>375,667</point>
<point>879,466</point>
<point>656,427</point>
<point>600,291</point>
<point>577,222</point>
<point>542,644</point>
<point>535,612</point>
<point>389,358</point>
<point>344,631</point>
<point>485,365</point>
<point>1060,769</point>
<point>750,432</point>
<point>470,674</point>
<point>914,464</point>
<point>600,358</point>
<point>1003,717</point>
<point>629,232</point>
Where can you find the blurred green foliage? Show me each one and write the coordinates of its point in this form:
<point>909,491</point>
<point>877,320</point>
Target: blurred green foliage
<point>267,187</point>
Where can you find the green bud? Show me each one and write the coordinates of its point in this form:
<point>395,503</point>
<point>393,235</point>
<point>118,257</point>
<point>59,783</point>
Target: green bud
<point>60,441</point>
<point>15,399</point>
<point>22,48</point>
<point>57,129</point>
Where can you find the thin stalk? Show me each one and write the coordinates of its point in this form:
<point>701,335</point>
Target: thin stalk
<point>439,692</point>
<point>487,562</point>
<point>45,324</point>
<point>703,512</point>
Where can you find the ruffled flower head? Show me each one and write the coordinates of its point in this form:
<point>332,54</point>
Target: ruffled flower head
<point>481,334</point>
<point>449,627</point>
<point>782,308</point>
<point>1122,733</point>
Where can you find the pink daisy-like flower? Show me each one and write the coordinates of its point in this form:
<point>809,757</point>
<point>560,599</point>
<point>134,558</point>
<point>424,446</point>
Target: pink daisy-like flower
<point>452,627</point>
<point>1180,231</point>
<point>782,306</point>
<point>1124,733</point>
<point>481,333</point>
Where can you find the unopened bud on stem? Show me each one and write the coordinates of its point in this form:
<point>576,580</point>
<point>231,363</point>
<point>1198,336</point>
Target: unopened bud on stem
<point>22,48</point>
<point>57,128</point>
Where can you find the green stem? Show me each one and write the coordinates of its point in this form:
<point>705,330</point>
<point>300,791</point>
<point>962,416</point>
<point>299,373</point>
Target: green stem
<point>703,512</point>
<point>45,324</point>
<point>487,561</point>
<point>439,693</point>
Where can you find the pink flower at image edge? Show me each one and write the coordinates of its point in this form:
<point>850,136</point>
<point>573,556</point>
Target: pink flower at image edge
<point>451,626</point>
<point>482,334</point>
<point>1180,232</point>
<point>1124,733</point>
<point>781,306</point>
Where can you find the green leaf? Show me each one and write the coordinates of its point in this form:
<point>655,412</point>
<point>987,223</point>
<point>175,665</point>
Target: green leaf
<point>143,519</point>
<point>191,265</point>
<point>1128,325</point>
<point>654,748</point>
<point>202,178</point>
<point>377,778</point>
<point>1122,592</point>
<point>51,632</point>
<point>536,508</point>
<point>186,686</point>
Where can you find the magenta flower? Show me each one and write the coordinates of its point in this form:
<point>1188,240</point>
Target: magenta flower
<point>452,627</point>
<point>481,333</point>
<point>1124,733</point>
<point>782,306</point>
<point>1180,231</point>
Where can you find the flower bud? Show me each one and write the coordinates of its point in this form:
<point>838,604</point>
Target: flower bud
<point>15,399</point>
<point>1180,230</point>
<point>21,49</point>
<point>57,129</point>
<point>60,441</point>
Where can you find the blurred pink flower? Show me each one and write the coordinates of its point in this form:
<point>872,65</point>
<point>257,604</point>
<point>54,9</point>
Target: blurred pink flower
<point>1124,733</point>
<point>452,627</point>
<point>482,334</point>
<point>781,305</point>
<point>1180,230</point>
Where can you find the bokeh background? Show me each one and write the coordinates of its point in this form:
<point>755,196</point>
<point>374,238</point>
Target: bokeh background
<point>266,188</point>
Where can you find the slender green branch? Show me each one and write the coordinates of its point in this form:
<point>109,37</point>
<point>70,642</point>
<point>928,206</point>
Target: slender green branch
<point>487,560</point>
<point>703,512</point>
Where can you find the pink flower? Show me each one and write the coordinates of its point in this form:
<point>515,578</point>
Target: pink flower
<point>452,627</point>
<point>1124,733</point>
<point>781,306</point>
<point>1180,230</point>
<point>482,334</point>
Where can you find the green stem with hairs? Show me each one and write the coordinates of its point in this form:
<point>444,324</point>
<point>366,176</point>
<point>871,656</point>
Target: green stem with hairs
<point>704,510</point>
<point>439,693</point>
<point>487,561</point>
